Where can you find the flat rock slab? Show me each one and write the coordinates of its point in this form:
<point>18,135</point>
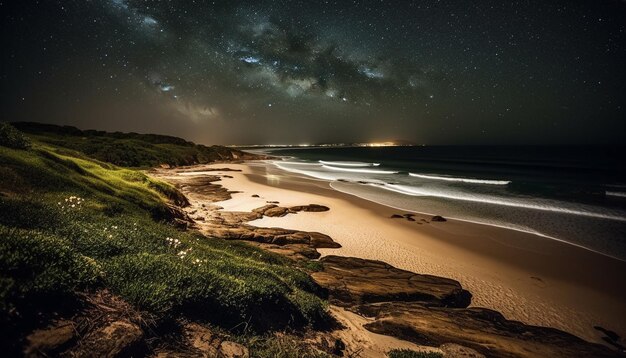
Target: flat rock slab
<point>353,281</point>
<point>483,330</point>
<point>273,210</point>
<point>274,236</point>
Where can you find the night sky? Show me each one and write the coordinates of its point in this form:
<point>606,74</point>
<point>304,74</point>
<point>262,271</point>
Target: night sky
<point>244,72</point>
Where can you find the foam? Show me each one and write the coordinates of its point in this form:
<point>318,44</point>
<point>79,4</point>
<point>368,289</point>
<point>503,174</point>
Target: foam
<point>615,193</point>
<point>368,171</point>
<point>349,164</point>
<point>464,180</point>
<point>413,191</point>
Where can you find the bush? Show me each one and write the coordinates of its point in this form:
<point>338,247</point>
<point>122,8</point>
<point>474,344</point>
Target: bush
<point>407,353</point>
<point>12,138</point>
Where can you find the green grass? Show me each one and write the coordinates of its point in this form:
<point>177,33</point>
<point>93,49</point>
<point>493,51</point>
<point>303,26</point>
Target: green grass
<point>282,347</point>
<point>407,353</point>
<point>70,224</point>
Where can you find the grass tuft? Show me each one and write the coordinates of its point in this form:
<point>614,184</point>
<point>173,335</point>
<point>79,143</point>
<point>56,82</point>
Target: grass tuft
<point>407,353</point>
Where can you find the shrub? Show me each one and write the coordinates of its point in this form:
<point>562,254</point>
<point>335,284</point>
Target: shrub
<point>12,138</point>
<point>407,353</point>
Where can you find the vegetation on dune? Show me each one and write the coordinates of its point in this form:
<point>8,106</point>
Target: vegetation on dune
<point>128,149</point>
<point>69,224</point>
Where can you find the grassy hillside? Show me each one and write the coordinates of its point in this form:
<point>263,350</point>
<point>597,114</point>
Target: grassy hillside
<point>71,225</point>
<point>128,149</point>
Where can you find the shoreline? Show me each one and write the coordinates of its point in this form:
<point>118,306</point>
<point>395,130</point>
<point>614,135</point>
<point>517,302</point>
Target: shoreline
<point>524,276</point>
<point>487,224</point>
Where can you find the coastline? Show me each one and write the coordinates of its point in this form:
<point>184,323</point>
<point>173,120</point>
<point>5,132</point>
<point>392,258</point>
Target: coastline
<point>526,277</point>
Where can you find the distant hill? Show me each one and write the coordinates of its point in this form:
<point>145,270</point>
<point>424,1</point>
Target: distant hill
<point>130,149</point>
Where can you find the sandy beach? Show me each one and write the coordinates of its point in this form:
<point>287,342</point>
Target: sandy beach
<point>526,277</point>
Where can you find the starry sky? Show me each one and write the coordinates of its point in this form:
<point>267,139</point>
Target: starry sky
<point>291,72</point>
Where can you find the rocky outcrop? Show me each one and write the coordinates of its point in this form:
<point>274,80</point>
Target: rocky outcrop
<point>230,349</point>
<point>274,236</point>
<point>273,210</point>
<point>352,281</point>
<point>310,208</point>
<point>483,330</point>
<point>296,252</point>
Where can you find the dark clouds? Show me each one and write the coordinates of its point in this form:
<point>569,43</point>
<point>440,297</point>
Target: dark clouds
<point>435,72</point>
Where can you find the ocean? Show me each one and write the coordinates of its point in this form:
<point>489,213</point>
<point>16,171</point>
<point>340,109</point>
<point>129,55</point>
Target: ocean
<point>572,194</point>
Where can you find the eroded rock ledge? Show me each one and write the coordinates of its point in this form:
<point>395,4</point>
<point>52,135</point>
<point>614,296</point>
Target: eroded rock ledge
<point>351,281</point>
<point>202,189</point>
<point>484,330</point>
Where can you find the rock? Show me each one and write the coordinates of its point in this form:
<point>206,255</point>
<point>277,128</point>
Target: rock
<point>296,252</point>
<point>230,349</point>
<point>164,166</point>
<point>438,218</point>
<point>264,208</point>
<point>480,329</point>
<point>451,350</point>
<point>255,196</point>
<point>116,339</point>
<point>272,202</point>
<point>202,339</point>
<point>274,236</point>
<point>50,341</point>
<point>352,281</point>
<point>396,216</point>
<point>319,241</point>
<point>276,212</point>
<point>339,347</point>
<point>310,208</point>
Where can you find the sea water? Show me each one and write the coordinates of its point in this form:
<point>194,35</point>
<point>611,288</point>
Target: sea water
<point>573,194</point>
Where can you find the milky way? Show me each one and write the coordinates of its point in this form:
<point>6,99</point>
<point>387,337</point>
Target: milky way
<point>433,72</point>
